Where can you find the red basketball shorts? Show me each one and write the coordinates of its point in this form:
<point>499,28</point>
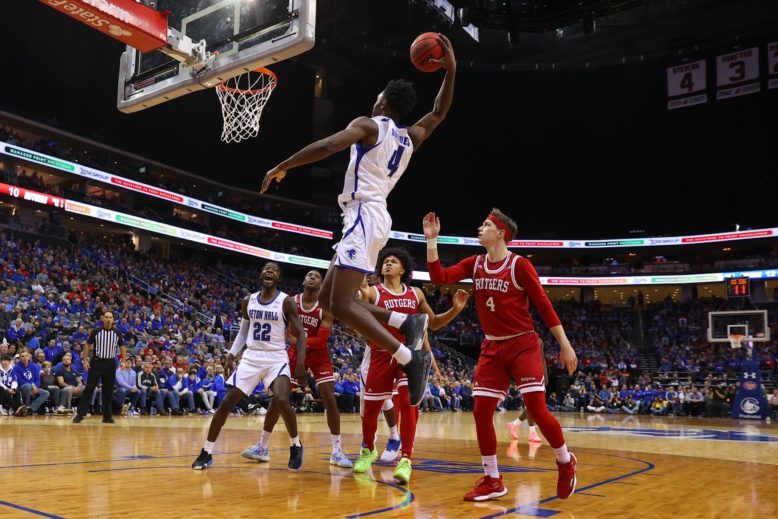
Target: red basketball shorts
<point>317,360</point>
<point>379,373</point>
<point>519,358</point>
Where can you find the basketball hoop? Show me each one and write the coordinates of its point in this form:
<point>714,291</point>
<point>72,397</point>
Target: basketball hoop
<point>734,341</point>
<point>242,99</point>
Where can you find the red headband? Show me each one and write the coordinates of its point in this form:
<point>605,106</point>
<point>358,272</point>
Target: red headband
<point>501,225</point>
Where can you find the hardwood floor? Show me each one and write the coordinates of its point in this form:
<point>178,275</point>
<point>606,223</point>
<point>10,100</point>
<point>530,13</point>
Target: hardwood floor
<point>628,467</point>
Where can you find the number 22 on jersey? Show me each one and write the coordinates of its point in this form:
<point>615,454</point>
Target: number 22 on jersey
<point>262,332</point>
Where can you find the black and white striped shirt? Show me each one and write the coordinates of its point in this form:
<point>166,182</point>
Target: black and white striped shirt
<point>105,343</point>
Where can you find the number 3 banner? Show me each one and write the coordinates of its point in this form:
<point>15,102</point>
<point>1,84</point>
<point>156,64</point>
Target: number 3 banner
<point>686,85</point>
<point>737,74</point>
<point>772,65</point>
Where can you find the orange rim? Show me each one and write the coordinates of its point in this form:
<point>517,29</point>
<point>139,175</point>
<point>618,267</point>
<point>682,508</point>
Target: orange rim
<point>262,70</point>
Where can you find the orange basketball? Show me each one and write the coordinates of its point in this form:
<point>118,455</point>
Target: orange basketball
<point>424,48</point>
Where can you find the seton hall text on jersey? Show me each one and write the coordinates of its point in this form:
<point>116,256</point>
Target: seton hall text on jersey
<point>497,285</point>
<point>263,315</point>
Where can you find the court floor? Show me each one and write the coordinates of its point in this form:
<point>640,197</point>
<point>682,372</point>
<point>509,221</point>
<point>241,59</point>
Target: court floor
<point>628,467</point>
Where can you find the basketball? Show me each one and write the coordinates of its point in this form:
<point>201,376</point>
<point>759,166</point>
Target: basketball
<point>424,48</point>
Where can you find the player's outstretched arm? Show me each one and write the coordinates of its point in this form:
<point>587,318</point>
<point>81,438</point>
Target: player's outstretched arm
<point>290,310</point>
<point>420,131</point>
<point>360,129</point>
<point>438,274</point>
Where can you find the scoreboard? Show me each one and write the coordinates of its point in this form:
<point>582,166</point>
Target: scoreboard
<point>738,287</point>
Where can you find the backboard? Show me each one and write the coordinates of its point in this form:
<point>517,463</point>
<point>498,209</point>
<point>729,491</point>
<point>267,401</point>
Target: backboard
<point>751,324</point>
<point>239,35</point>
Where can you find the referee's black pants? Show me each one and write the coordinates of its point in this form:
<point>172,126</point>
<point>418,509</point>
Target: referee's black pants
<point>99,369</point>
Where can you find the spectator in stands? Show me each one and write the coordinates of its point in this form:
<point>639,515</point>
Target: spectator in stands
<point>349,398</point>
<point>148,382</point>
<point>600,401</point>
<point>630,406</point>
<point>8,385</point>
<point>659,406</point>
<point>127,388</point>
<point>49,383</point>
<point>219,384</point>
<point>184,389</point>
<point>28,374</point>
<point>69,382</point>
<point>772,400</point>
<point>206,388</point>
<point>693,405</point>
<point>53,352</point>
<point>716,401</point>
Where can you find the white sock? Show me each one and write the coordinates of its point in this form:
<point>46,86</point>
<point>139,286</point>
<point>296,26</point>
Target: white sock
<point>264,440</point>
<point>397,319</point>
<point>402,355</point>
<point>562,456</point>
<point>532,429</point>
<point>335,443</point>
<point>393,434</point>
<point>490,466</point>
<point>209,447</point>
<point>294,442</point>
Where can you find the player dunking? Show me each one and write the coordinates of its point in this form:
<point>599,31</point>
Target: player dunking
<point>266,315</point>
<point>504,283</point>
<point>379,370</point>
<point>381,149</point>
<point>318,325</point>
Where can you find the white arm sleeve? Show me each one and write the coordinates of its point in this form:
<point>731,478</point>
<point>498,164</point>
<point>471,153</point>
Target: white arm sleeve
<point>240,339</point>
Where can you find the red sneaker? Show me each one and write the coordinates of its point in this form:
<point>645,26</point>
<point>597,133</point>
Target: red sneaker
<point>513,429</point>
<point>565,484</point>
<point>487,488</point>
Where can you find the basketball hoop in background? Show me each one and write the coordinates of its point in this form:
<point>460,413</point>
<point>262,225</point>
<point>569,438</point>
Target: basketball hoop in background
<point>734,340</point>
<point>242,99</point>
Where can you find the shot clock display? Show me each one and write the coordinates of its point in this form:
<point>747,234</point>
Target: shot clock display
<point>738,287</point>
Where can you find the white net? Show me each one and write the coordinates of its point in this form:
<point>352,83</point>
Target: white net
<point>242,99</point>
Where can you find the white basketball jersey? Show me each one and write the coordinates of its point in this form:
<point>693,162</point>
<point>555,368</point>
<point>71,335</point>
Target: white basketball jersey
<point>267,323</point>
<point>373,172</point>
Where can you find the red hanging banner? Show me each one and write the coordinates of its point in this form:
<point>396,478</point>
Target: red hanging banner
<point>129,22</point>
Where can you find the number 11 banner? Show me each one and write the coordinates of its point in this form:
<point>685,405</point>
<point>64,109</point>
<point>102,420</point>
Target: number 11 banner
<point>737,74</point>
<point>686,85</point>
<point>772,65</point>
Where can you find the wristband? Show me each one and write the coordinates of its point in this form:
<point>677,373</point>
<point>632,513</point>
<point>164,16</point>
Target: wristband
<point>432,243</point>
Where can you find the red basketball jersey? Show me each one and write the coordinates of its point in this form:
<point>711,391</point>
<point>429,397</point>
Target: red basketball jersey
<point>406,302</point>
<point>501,302</point>
<point>310,317</point>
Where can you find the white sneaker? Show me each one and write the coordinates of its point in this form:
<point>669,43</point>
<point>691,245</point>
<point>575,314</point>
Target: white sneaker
<point>61,410</point>
<point>211,411</point>
<point>262,411</point>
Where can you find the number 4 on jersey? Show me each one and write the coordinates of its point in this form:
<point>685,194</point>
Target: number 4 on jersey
<point>394,160</point>
<point>490,303</point>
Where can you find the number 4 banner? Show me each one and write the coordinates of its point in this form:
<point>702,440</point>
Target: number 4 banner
<point>772,64</point>
<point>737,74</point>
<point>686,85</point>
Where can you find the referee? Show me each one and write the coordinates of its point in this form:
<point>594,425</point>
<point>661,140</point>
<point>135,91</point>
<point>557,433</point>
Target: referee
<point>101,349</point>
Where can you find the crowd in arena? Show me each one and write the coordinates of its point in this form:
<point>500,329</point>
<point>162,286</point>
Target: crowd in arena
<point>176,315</point>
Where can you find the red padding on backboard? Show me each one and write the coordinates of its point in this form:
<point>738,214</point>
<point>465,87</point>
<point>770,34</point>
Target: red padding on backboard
<point>131,23</point>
